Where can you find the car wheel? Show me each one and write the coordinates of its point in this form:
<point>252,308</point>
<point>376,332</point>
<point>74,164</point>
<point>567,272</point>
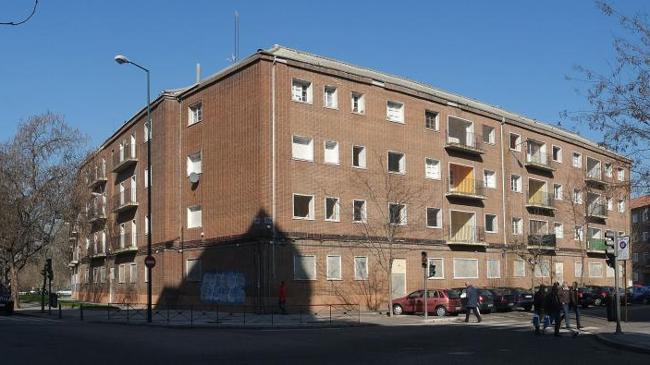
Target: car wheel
<point>397,309</point>
<point>487,311</point>
<point>528,308</point>
<point>441,311</point>
<point>598,302</point>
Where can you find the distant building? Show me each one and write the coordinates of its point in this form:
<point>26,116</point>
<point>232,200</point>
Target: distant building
<point>640,243</point>
<point>300,163</point>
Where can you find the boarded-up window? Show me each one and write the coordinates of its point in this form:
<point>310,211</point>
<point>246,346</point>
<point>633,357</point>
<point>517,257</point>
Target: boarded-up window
<point>133,273</point>
<point>360,268</point>
<point>331,152</point>
<point>302,148</point>
<point>519,268</point>
<point>440,268</point>
<point>465,269</point>
<point>194,216</point>
<point>304,267</point>
<point>333,267</point>
<point>595,269</point>
<point>121,273</point>
<point>193,270</point>
<point>493,269</point>
<point>543,269</point>
<point>577,269</point>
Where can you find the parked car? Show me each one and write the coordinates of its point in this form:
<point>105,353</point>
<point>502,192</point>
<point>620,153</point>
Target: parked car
<point>504,300</point>
<point>485,300</point>
<point>640,294</point>
<point>601,293</point>
<point>6,303</point>
<point>439,301</point>
<point>587,297</point>
<point>523,298</point>
<point>64,293</point>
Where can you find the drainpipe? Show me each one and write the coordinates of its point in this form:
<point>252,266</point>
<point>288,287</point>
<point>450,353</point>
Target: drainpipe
<point>503,194</point>
<point>273,202</point>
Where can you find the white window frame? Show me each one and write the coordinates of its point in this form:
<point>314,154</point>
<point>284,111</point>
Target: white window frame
<point>438,218</point>
<point>194,163</point>
<point>332,152</point>
<point>487,269</point>
<point>517,142</point>
<point>309,149</point>
<point>314,268</point>
<point>337,209</point>
<point>403,214</point>
<point>395,117</point>
<point>133,273</point>
<point>491,133</point>
<point>494,179</point>
<point>438,175</point>
<point>620,174</point>
<point>312,214</point>
<point>577,196</point>
<point>621,206</point>
<point>517,226</point>
<point>193,215</point>
<point>308,93</point>
<point>465,277</point>
<point>362,157</point>
<point>188,269</point>
<point>327,268</point>
<point>577,273</point>
<point>561,230</point>
<point>609,169</point>
<point>559,155</point>
<point>610,204</point>
<point>519,184</point>
<point>578,233</point>
<point>539,273</point>
<point>121,273</point>
<point>495,224</point>
<point>401,162</point>
<point>145,133</point>
<point>364,212</point>
<point>558,188</point>
<point>361,102</point>
<point>439,269</point>
<point>576,163</point>
<point>356,273</point>
<point>195,113</point>
<point>335,97</point>
<point>596,264</point>
<point>436,120</point>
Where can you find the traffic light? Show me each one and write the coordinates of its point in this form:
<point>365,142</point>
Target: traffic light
<point>50,272</point>
<point>610,251</point>
<point>425,259</point>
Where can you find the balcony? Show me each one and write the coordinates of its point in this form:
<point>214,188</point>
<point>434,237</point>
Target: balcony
<point>465,235</point>
<point>539,161</point>
<point>595,176</point>
<point>97,177</point>
<point>597,210</point>
<point>125,243</point>
<point>542,241</point>
<point>467,188</point>
<point>97,209</point>
<point>124,158</point>
<point>125,200</point>
<point>541,200</point>
<point>597,245</point>
<point>466,142</point>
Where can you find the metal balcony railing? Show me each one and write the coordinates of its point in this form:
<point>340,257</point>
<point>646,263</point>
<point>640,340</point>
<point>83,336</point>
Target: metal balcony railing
<point>124,200</point>
<point>595,175</point>
<point>597,210</point>
<point>540,199</point>
<point>596,244</point>
<point>539,161</point>
<point>464,141</point>
<point>468,188</point>
<point>465,235</point>
<point>542,240</point>
<point>125,242</point>
<point>96,176</point>
<point>124,157</point>
<point>97,209</point>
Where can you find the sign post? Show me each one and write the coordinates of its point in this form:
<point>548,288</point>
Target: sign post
<point>614,242</point>
<point>425,295</point>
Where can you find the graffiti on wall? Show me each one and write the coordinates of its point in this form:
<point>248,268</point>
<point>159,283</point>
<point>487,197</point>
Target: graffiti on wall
<point>223,288</point>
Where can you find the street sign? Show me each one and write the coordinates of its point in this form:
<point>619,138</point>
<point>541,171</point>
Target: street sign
<point>623,248</point>
<point>149,262</point>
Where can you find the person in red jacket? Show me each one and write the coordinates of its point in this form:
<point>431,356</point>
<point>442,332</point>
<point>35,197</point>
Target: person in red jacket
<point>282,297</point>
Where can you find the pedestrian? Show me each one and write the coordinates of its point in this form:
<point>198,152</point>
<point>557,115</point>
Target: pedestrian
<point>282,298</point>
<point>471,293</point>
<point>576,303</point>
<point>538,302</point>
<point>565,299</point>
<point>553,306</point>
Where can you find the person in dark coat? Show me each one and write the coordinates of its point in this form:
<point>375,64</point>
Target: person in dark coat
<point>538,302</point>
<point>472,302</point>
<point>565,298</point>
<point>282,297</point>
<point>575,303</point>
<point>553,306</point>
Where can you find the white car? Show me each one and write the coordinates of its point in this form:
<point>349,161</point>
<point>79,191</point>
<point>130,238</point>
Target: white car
<point>64,293</point>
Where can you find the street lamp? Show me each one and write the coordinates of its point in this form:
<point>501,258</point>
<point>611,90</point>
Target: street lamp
<point>120,59</point>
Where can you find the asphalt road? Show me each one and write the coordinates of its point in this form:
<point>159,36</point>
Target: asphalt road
<point>500,339</point>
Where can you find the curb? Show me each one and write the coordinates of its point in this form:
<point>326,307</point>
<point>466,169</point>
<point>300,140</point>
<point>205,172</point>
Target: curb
<point>622,345</point>
<point>230,326</point>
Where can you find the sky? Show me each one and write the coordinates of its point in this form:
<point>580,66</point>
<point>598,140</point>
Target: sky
<point>514,54</point>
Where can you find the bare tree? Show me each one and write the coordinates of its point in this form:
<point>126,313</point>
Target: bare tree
<point>531,251</point>
<point>38,173</point>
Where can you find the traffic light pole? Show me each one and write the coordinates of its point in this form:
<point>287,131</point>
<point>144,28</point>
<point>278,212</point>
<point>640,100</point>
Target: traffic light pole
<point>617,296</point>
<point>426,295</point>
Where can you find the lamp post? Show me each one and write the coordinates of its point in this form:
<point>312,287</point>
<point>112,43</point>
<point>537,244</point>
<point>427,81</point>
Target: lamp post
<point>123,60</point>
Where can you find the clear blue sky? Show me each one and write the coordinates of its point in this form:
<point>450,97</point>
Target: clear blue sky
<point>514,54</point>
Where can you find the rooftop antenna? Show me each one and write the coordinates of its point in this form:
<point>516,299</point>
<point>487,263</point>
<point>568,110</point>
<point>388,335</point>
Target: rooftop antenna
<point>235,56</point>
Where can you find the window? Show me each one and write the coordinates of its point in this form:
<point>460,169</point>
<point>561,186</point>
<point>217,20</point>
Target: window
<point>194,163</point>
<point>359,156</point>
<point>145,134</point>
<point>491,223</point>
<point>195,114</point>
<point>577,233</point>
<point>635,257</point>
<point>543,269</point>
<point>576,159</point>
<point>431,169</point>
<point>395,111</point>
<point>121,273</point>
<point>431,120</point>
<point>397,213</point>
<point>303,206</point>
<point>610,271</point>
<point>360,268</point>
<point>559,230</point>
<point>95,274</point>
<point>557,192</point>
<point>645,214</point>
<point>358,103</point>
<point>194,216</point>
<point>489,135</point>
<point>439,265</point>
<point>102,274</point>
<point>577,196</point>
<point>146,275</point>
<point>595,270</point>
<point>493,269</point>
<point>331,97</point>
<point>635,216</point>
<point>515,183</point>
<point>608,169</point>
<point>359,211</point>
<point>301,91</point>
<point>577,269</point>
<point>519,268</point>
<point>193,270</point>
<point>146,178</point>
<point>621,206</point>
<point>515,142</point>
<point>610,204</point>
<point>645,236</point>
<point>490,179</point>
<point>302,148</point>
<point>557,154</point>
<point>332,209</point>
<point>332,152</point>
<point>333,267</point>
<point>146,225</point>
<point>465,269</point>
<point>620,174</point>
<point>396,162</point>
<point>304,267</point>
<point>133,273</point>
<point>517,226</point>
<point>434,218</point>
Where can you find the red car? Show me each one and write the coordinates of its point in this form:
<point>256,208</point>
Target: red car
<point>440,301</point>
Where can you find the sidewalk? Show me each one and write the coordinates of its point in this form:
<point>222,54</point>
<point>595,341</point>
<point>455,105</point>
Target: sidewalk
<point>635,336</point>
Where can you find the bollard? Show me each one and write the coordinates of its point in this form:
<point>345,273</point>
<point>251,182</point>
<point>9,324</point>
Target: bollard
<point>60,314</point>
<point>81,311</point>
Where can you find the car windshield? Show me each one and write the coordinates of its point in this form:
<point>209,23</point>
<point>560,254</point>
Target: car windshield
<point>485,292</point>
<point>501,291</point>
<point>453,293</point>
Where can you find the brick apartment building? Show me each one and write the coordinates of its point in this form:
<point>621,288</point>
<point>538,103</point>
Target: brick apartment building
<point>305,169</point>
<point>640,242</point>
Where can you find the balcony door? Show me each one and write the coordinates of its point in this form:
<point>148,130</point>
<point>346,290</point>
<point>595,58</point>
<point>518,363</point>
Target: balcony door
<point>133,187</point>
<point>462,227</point>
<point>461,132</point>
<point>461,179</point>
<point>536,191</point>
